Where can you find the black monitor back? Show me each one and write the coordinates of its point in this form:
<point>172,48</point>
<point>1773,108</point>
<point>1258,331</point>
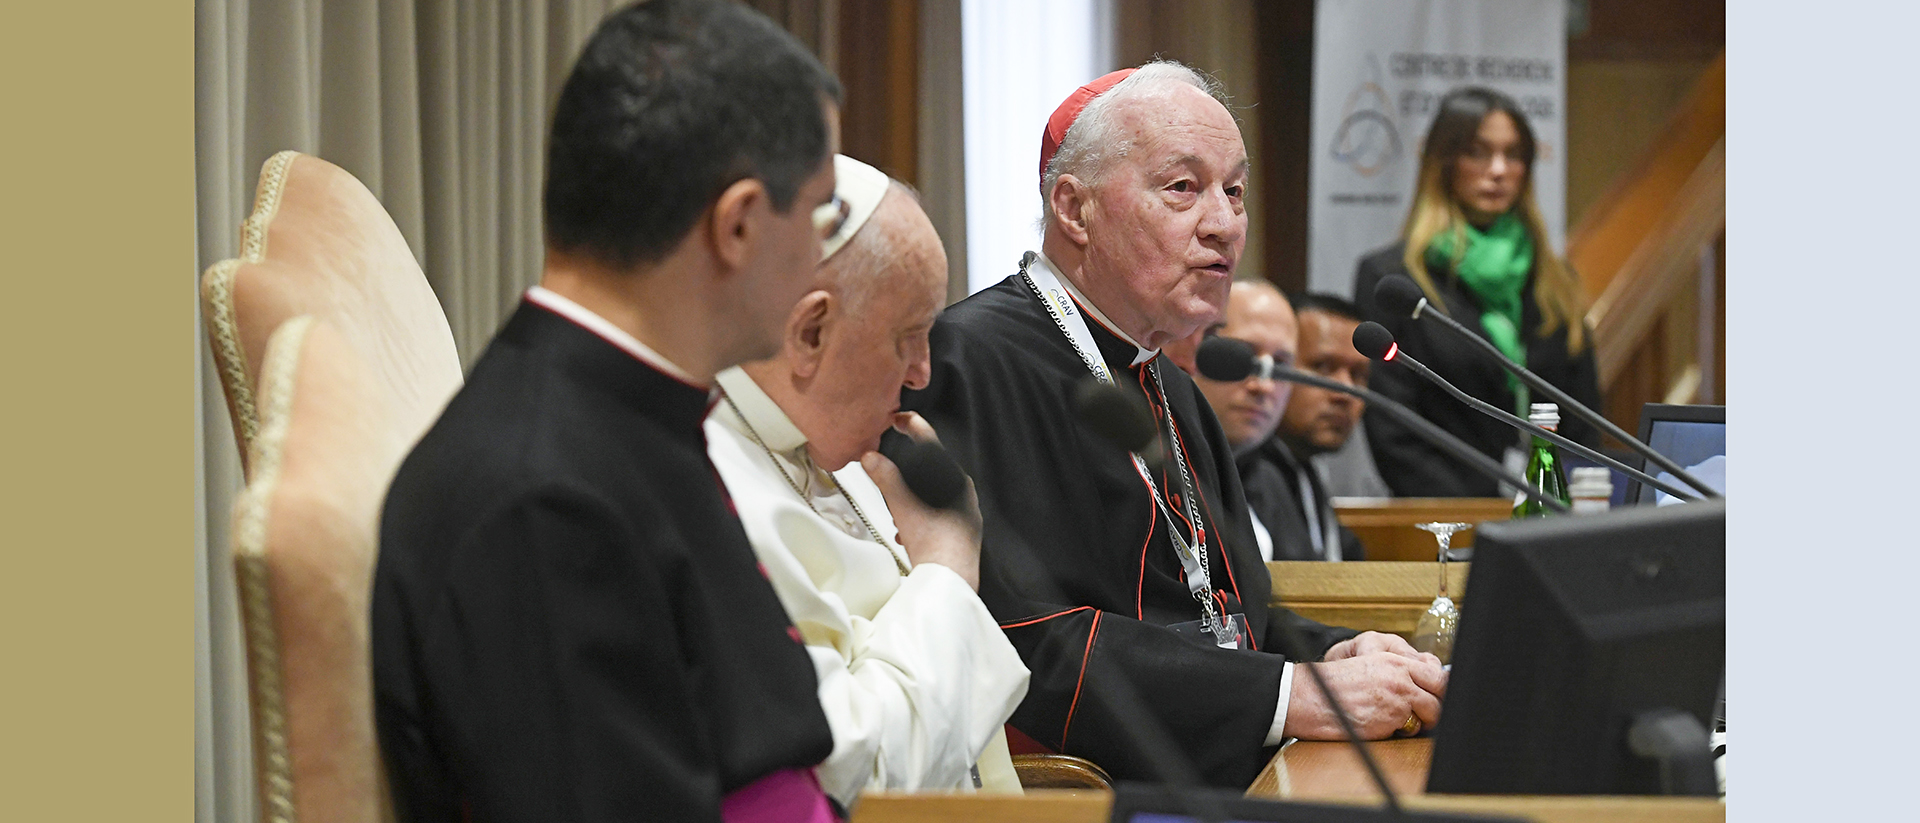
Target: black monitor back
<point>1571,626</point>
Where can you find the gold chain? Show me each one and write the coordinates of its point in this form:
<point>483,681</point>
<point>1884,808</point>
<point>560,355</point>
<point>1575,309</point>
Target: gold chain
<point>795,485</point>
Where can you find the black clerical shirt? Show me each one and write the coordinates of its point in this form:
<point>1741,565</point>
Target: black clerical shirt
<point>568,621</point>
<point>1076,563</point>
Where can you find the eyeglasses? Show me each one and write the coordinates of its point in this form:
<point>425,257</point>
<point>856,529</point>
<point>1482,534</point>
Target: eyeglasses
<point>830,217</point>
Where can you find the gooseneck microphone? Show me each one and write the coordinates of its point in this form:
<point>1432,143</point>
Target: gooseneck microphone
<point>1399,295</point>
<point>1228,359</point>
<point>1374,341</point>
<point>931,475</point>
<point>927,470</point>
<point>1121,419</point>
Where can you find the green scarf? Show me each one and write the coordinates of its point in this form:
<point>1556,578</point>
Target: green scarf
<point>1494,267</point>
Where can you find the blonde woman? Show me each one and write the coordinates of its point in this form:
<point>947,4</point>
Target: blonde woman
<point>1475,243</point>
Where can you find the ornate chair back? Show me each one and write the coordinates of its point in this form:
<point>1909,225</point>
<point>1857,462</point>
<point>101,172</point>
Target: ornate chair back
<point>319,243</point>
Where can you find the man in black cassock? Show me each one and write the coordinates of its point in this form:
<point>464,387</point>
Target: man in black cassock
<point>568,621</point>
<point>1118,603</point>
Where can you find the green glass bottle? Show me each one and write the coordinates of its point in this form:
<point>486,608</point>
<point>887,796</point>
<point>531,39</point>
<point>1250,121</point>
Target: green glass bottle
<point>1544,467</point>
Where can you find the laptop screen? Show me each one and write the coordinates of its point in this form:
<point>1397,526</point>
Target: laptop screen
<point>1694,437</point>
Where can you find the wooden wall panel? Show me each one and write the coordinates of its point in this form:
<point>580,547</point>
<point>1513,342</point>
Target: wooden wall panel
<point>879,66</point>
<point>1615,110</point>
<point>1219,38</point>
<point>1285,32</point>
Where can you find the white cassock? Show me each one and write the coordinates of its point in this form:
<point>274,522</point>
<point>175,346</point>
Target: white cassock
<point>916,678</point>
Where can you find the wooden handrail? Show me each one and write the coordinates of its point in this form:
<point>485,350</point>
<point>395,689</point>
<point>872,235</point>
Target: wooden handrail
<point>1639,245</point>
<point>1661,266</point>
<point>1633,206</point>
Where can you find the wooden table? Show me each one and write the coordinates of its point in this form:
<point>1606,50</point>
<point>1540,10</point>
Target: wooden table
<point>1306,771</point>
<point>1380,597</point>
<point>1385,525</point>
<point>1323,771</point>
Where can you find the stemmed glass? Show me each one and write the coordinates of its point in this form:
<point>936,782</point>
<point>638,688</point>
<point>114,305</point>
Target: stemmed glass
<point>1434,634</point>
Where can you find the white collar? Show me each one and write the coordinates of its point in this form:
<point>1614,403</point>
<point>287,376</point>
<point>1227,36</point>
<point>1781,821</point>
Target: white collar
<point>1141,354</point>
<point>585,318</point>
<point>759,412</point>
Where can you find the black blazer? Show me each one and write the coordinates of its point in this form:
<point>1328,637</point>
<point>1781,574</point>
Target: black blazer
<point>1410,466</point>
<point>568,621</point>
<point>1272,486</point>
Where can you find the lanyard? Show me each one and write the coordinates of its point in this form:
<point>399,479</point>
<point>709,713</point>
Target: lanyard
<point>1193,556</point>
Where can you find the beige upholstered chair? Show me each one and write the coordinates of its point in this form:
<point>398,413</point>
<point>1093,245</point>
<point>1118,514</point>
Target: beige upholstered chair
<point>305,535</point>
<point>335,357</point>
<point>319,243</point>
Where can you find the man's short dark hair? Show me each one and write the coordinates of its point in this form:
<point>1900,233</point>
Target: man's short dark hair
<point>1326,303</point>
<point>671,102</point>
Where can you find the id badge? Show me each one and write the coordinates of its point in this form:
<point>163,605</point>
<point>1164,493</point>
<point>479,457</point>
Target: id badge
<point>1196,631</point>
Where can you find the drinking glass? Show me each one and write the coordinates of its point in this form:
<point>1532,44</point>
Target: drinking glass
<point>1436,629</point>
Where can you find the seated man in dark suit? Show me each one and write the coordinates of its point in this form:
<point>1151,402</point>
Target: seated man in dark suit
<point>1292,518</point>
<point>568,620</point>
<point>1319,422</point>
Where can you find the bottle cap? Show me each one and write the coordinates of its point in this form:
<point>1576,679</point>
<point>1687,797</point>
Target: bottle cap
<point>1591,481</point>
<point>1545,415</point>
<point>1591,490</point>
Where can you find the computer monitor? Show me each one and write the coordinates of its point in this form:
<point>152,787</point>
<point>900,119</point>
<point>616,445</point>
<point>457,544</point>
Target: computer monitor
<point>1571,629</point>
<point>1693,436</point>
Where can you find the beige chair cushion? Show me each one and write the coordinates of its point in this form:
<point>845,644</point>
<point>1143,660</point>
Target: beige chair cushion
<point>319,243</point>
<point>305,535</point>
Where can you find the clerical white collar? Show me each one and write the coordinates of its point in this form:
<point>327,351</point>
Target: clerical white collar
<point>1141,355</point>
<point>760,413</point>
<point>585,318</point>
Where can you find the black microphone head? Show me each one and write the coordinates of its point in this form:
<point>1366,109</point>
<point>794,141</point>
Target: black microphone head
<point>1224,359</point>
<point>1397,295</point>
<point>1374,341</point>
<point>1119,418</point>
<point>931,474</point>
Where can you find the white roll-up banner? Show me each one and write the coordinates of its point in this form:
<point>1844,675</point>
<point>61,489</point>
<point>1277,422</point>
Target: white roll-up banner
<point>1379,69</point>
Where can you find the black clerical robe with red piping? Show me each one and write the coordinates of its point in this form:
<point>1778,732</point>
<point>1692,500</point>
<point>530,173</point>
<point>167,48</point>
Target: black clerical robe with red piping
<point>568,620</point>
<point>1076,562</point>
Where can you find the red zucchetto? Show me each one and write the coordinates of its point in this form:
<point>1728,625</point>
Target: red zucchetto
<point>1069,111</point>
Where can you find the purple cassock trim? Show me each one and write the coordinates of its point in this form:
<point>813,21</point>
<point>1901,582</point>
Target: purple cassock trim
<point>786,796</point>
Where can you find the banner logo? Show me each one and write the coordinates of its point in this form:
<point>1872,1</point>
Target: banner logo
<point>1367,141</point>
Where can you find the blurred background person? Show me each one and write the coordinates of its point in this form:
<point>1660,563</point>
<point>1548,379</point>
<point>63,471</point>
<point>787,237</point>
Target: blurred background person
<point>1318,423</point>
<point>1476,244</point>
<point>1325,426</point>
